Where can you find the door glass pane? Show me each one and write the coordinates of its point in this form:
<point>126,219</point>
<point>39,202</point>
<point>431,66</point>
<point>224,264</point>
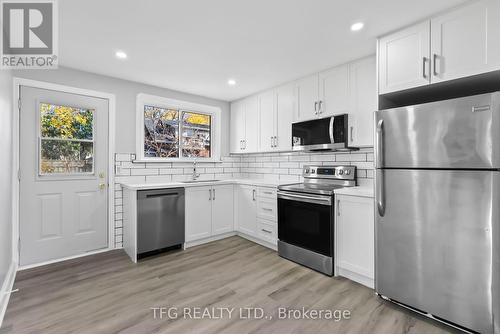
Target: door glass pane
<point>196,130</point>
<point>66,157</point>
<point>66,140</point>
<point>161,132</point>
<point>66,122</point>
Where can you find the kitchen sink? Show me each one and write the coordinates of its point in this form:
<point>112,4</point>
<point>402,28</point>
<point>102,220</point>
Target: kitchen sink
<point>199,181</point>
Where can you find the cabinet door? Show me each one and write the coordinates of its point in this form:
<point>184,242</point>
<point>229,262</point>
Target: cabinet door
<point>284,117</point>
<point>251,124</point>
<point>355,235</point>
<point>306,90</point>
<point>198,213</point>
<point>334,91</point>
<point>247,212</point>
<point>222,209</point>
<point>363,92</point>
<point>404,59</point>
<point>266,121</point>
<point>237,128</point>
<point>466,41</point>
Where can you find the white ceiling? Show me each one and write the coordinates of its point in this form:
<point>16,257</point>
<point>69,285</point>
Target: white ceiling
<point>195,46</point>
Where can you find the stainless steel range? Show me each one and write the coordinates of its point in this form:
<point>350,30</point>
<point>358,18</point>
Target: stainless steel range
<point>306,216</point>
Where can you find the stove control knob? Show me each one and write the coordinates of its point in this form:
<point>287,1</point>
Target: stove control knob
<point>347,172</point>
<point>307,170</point>
<point>341,172</point>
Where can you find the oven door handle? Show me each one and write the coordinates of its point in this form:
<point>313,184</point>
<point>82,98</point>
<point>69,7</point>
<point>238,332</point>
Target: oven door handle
<point>322,200</point>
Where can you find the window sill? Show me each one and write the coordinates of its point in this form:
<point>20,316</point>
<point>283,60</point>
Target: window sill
<point>166,160</point>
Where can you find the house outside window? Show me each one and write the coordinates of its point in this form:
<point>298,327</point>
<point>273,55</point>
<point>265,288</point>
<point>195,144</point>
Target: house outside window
<point>173,130</point>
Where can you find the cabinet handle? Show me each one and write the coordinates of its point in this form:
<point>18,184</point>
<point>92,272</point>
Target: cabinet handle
<point>275,141</point>
<point>209,194</point>
<point>320,107</point>
<point>272,141</point>
<point>253,194</point>
<point>213,194</point>
<point>316,107</point>
<point>267,231</point>
<point>245,144</point>
<point>424,67</point>
<point>338,207</point>
<point>267,209</point>
<point>267,192</point>
<point>434,66</point>
<point>352,130</point>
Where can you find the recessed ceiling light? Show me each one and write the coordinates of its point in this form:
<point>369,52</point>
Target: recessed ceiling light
<point>357,26</point>
<point>121,55</point>
<point>231,82</point>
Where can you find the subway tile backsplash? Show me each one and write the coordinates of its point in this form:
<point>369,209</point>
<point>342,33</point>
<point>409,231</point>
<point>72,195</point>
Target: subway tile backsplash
<point>283,167</point>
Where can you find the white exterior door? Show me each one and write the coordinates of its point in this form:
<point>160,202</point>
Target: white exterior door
<point>404,59</point>
<point>466,41</point>
<point>198,213</point>
<point>222,209</point>
<point>63,170</point>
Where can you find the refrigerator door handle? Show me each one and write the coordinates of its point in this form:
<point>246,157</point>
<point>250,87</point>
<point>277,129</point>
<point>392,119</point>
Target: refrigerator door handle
<point>380,143</point>
<point>380,195</point>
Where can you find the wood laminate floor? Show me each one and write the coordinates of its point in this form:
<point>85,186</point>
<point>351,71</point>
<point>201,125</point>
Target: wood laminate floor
<point>107,293</point>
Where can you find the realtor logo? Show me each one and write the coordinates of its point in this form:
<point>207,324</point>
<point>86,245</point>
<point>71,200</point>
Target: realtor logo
<point>29,34</point>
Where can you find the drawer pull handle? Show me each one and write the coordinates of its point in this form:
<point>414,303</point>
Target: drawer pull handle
<point>268,192</point>
<point>267,231</point>
<point>267,209</point>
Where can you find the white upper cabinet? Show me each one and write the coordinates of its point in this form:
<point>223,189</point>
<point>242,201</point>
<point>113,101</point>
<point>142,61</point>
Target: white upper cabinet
<point>267,120</point>
<point>460,43</point>
<point>237,126</point>
<point>363,101</point>
<point>307,90</point>
<point>334,91</point>
<point>251,124</point>
<point>284,114</point>
<point>466,41</point>
<point>404,59</point>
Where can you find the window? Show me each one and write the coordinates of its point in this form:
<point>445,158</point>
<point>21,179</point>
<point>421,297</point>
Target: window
<point>66,140</point>
<point>176,130</point>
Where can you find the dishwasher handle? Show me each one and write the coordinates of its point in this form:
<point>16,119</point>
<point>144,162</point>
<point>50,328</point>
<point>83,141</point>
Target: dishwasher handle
<point>143,194</point>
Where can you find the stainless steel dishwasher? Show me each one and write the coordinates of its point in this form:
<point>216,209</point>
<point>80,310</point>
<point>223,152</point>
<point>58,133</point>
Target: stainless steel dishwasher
<point>160,220</point>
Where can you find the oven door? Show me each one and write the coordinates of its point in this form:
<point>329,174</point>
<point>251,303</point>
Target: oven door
<point>306,221</point>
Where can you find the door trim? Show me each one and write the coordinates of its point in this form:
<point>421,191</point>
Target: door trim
<point>17,83</point>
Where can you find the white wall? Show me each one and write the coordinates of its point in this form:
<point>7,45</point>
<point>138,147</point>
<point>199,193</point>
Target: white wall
<point>125,92</point>
<point>5,174</point>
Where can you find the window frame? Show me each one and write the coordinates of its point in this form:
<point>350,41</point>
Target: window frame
<point>181,106</point>
<point>63,176</point>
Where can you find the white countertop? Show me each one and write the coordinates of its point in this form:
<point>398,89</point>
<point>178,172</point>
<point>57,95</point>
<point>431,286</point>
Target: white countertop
<point>180,184</point>
<point>362,191</point>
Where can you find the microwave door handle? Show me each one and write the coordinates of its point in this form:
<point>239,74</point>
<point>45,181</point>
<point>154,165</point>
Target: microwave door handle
<point>380,144</point>
<point>331,130</point>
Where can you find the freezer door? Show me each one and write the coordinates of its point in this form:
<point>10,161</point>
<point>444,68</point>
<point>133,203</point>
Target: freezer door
<point>436,243</point>
<point>461,133</point>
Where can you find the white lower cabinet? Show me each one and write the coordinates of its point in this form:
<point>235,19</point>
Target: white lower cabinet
<point>209,211</point>
<point>246,209</point>
<point>355,239</point>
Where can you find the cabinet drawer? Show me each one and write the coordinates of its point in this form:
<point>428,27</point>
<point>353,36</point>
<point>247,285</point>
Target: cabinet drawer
<point>267,231</point>
<point>270,193</point>
<point>267,209</point>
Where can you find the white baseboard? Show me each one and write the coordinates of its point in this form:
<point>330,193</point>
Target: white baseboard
<point>361,279</point>
<point>7,286</point>
<point>209,239</point>
<point>258,241</point>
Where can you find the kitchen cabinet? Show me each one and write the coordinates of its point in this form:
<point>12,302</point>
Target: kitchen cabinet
<point>363,101</point>
<point>247,210</point>
<point>355,238</point>
<point>237,126</point>
<point>244,125</point>
<point>404,59</point>
<point>334,91</point>
<point>275,119</point>
<point>307,93</point>
<point>460,43</point>
<point>209,211</point>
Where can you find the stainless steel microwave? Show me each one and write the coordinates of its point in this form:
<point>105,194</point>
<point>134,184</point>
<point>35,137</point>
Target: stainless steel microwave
<point>329,134</point>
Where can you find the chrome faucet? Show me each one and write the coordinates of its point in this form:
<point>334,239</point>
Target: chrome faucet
<point>195,175</point>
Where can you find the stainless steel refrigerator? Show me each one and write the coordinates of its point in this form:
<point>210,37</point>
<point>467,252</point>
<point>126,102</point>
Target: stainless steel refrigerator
<point>438,209</point>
